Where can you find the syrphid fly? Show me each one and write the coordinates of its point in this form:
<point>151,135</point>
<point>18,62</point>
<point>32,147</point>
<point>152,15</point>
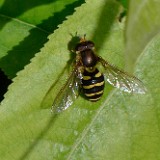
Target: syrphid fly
<point>86,78</point>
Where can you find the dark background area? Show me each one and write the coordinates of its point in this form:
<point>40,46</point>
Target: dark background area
<point>4,82</point>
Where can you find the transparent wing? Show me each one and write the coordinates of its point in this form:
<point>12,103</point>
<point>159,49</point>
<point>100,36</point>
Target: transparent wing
<point>68,93</point>
<point>122,80</point>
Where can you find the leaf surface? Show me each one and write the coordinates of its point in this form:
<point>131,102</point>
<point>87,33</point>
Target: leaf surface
<point>25,26</point>
<point>119,124</point>
<point>142,26</point>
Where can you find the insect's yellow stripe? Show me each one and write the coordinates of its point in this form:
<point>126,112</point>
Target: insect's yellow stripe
<point>94,99</point>
<point>93,85</point>
<point>98,74</point>
<point>93,94</point>
<point>86,77</point>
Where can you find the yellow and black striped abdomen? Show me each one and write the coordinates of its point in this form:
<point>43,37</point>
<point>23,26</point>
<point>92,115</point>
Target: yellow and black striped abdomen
<point>93,84</point>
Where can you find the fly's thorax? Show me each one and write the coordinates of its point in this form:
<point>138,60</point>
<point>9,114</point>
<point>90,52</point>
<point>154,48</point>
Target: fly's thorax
<point>85,50</point>
<point>89,59</point>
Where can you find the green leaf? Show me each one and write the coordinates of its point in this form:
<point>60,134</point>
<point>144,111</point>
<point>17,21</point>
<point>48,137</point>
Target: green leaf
<point>16,51</point>
<point>25,26</point>
<point>142,25</point>
<point>119,126</point>
<point>124,3</point>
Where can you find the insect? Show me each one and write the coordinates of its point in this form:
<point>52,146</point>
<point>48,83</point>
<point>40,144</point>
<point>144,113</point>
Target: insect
<point>87,78</point>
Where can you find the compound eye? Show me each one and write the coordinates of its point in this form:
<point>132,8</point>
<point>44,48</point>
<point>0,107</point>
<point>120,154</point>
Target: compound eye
<point>80,47</point>
<point>90,45</point>
<point>84,45</point>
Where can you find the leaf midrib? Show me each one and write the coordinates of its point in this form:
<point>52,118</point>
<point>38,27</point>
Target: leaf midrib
<point>25,23</point>
<point>86,130</point>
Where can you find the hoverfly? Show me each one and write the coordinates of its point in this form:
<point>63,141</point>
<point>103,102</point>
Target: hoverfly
<point>86,77</point>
